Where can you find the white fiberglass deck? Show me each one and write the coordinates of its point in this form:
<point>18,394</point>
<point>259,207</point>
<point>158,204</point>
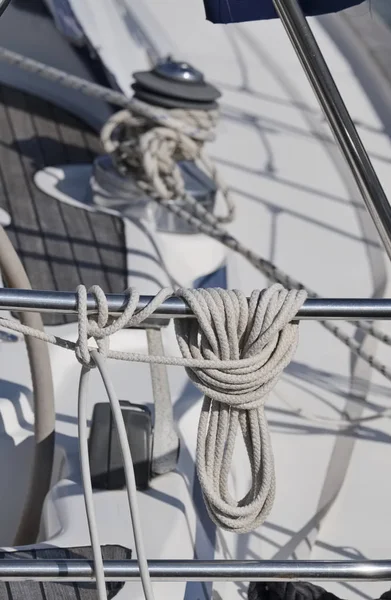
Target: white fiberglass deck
<point>297,206</point>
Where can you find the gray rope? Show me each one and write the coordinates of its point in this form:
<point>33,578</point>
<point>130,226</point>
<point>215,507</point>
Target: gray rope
<point>87,484</point>
<point>101,329</point>
<point>84,356</point>
<point>131,487</point>
<point>44,402</point>
<point>137,107</point>
<point>229,328</point>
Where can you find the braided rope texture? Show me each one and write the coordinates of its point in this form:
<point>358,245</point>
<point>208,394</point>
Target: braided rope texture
<point>235,352</point>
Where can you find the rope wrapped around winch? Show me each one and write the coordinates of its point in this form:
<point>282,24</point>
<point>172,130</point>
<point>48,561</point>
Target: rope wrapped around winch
<point>151,146</point>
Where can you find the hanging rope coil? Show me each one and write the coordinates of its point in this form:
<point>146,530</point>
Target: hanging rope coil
<point>230,328</point>
<point>234,351</point>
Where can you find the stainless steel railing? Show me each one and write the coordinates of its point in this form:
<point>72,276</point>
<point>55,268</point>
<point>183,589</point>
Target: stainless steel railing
<point>377,204</point>
<point>348,309</point>
<point>341,124</point>
<point>197,570</point>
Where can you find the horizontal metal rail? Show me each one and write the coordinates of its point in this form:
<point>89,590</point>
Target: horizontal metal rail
<point>350,309</point>
<point>197,570</point>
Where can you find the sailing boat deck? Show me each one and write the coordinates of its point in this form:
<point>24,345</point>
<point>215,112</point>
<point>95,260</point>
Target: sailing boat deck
<point>297,206</point>
<point>60,245</point>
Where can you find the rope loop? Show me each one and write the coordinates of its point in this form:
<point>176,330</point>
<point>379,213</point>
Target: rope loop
<point>228,328</point>
<point>161,149</point>
<point>102,326</point>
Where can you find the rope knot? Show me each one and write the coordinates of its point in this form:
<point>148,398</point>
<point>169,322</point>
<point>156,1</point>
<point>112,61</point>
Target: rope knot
<point>102,326</point>
<point>248,345</point>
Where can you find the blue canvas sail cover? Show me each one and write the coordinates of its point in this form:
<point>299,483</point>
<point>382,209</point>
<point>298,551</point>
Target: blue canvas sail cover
<point>236,11</point>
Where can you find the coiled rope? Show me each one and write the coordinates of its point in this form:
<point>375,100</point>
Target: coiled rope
<point>151,146</point>
<point>254,341</point>
<point>234,351</point>
<point>227,327</point>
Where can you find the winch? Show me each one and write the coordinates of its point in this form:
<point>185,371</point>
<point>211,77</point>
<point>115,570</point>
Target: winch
<point>173,86</point>
<point>152,146</point>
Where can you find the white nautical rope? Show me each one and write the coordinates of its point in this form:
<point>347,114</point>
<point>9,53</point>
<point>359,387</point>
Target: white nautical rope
<point>131,487</point>
<point>227,330</point>
<point>234,351</point>
<point>152,144</point>
<point>138,317</point>
<point>82,350</point>
<point>207,223</point>
<point>230,328</point>
<point>87,484</point>
<point>89,328</point>
<point>100,329</point>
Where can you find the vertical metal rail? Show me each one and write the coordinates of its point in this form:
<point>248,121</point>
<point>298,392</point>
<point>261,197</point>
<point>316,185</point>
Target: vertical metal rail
<point>339,119</point>
<point>4,5</point>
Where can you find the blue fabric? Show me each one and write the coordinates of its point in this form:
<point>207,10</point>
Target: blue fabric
<point>211,280</point>
<point>236,11</point>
